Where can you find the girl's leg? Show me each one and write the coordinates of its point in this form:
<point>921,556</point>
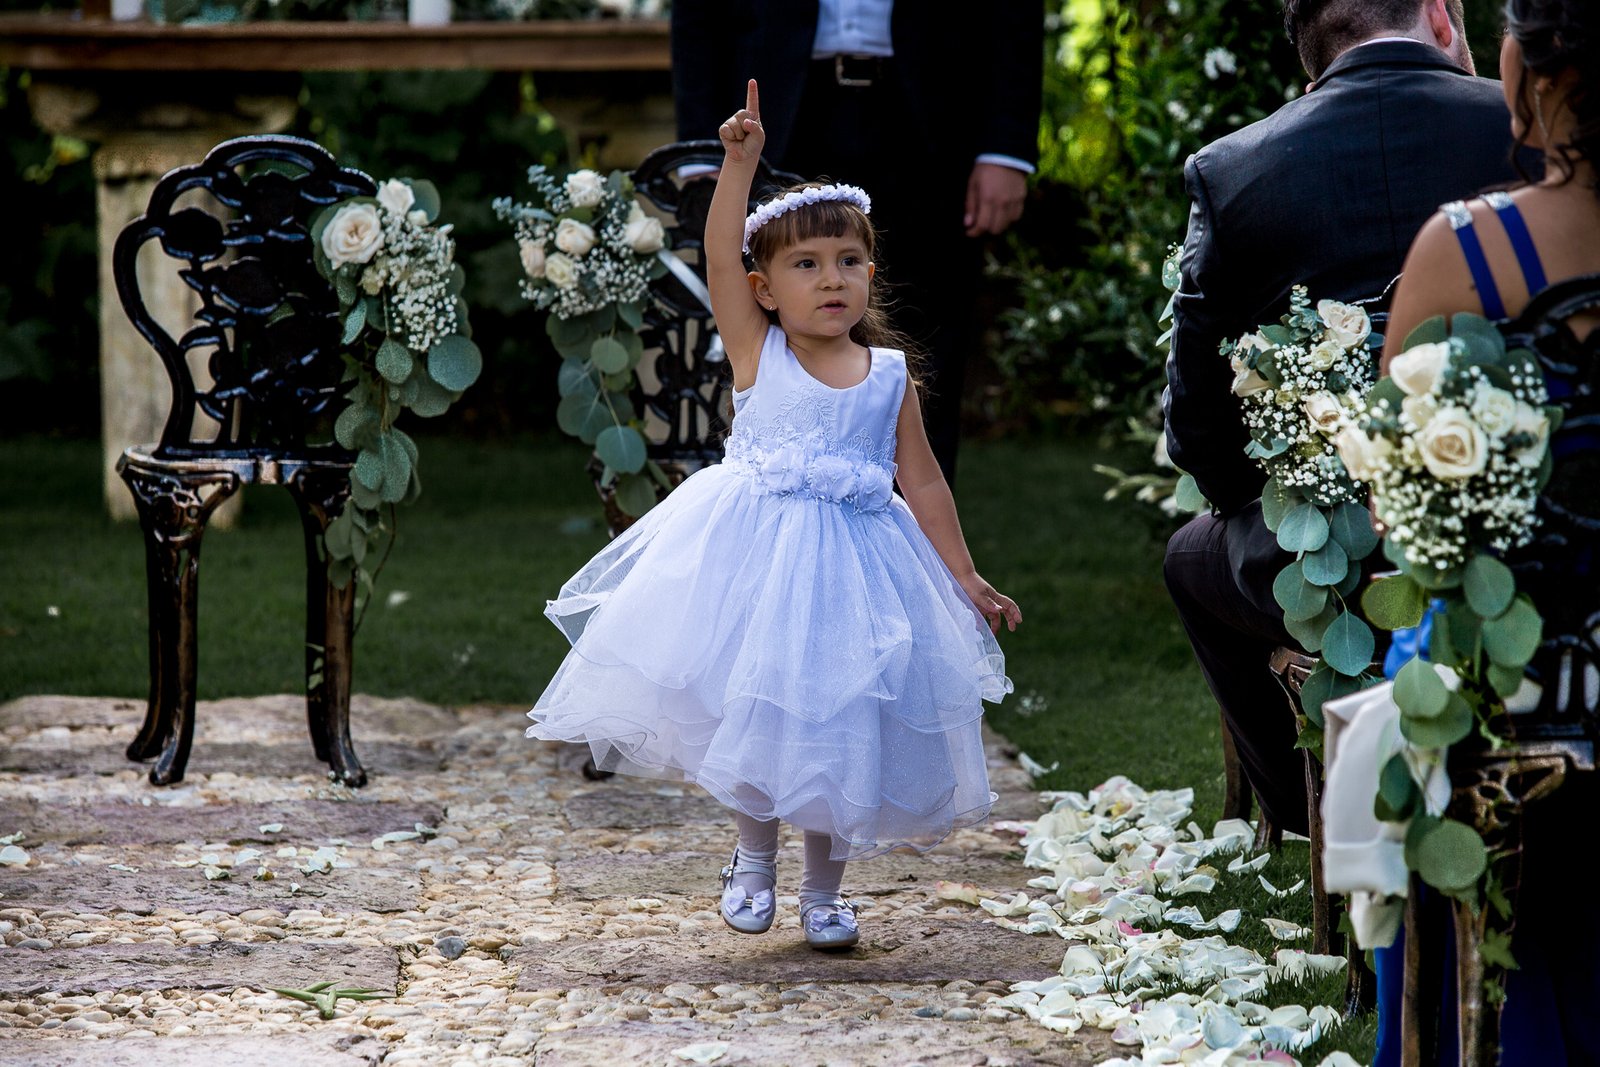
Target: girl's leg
<point>829,922</point>
<point>749,891</point>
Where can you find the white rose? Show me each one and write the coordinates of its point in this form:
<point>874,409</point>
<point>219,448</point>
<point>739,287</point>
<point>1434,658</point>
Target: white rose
<point>1419,410</point>
<point>1255,342</point>
<point>532,258</point>
<point>585,188</point>
<point>1416,370</point>
<point>1325,412</point>
<point>396,197</point>
<point>573,237</point>
<point>560,270</point>
<point>1364,457</point>
<point>1495,410</point>
<point>1324,354</point>
<point>353,235</point>
<point>1533,421</point>
<point>1452,445</point>
<point>1245,379</point>
<point>643,232</point>
<point>1348,324</point>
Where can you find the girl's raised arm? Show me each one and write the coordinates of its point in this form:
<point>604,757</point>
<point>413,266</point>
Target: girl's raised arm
<point>740,319</point>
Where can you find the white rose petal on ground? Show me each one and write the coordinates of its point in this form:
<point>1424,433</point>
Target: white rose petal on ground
<point>11,839</point>
<point>13,856</point>
<point>1284,930</point>
<point>702,1052</point>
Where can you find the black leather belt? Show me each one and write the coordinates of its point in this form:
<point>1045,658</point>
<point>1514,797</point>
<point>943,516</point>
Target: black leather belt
<point>855,72</point>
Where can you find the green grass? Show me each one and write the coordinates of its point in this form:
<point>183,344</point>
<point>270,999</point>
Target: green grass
<point>1105,680</point>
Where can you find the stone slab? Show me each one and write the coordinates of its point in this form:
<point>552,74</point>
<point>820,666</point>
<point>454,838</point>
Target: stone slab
<point>859,1043</point>
<point>235,1050</point>
<point>266,761</point>
<point>694,874</point>
<point>101,891</point>
<point>285,714</point>
<point>304,822</point>
<point>224,965</point>
<point>891,950</point>
<point>634,809</point>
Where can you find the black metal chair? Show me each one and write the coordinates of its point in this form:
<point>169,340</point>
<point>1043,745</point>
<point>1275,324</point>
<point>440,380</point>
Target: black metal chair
<point>1498,791</point>
<point>269,328</point>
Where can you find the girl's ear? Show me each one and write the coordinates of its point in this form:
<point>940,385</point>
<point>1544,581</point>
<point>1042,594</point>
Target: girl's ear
<point>763,291</point>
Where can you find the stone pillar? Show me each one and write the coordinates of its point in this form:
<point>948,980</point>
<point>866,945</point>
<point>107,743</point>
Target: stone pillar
<point>146,125</point>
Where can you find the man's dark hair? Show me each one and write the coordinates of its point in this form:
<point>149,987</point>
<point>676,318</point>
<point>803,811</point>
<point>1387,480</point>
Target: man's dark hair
<point>1321,29</point>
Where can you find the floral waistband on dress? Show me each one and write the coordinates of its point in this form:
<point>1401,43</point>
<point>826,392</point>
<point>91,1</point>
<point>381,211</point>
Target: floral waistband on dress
<point>793,470</point>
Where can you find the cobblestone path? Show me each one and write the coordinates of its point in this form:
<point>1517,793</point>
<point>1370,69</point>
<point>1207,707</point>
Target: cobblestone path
<point>514,912</point>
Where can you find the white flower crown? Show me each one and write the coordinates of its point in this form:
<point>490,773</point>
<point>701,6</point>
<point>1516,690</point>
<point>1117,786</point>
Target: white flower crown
<point>814,194</point>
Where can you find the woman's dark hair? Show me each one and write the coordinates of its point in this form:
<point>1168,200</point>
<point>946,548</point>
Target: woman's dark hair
<point>833,218</point>
<point>1557,36</point>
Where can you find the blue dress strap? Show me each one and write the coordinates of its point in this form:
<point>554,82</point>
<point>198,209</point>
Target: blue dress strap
<point>1521,240</point>
<point>1460,217</point>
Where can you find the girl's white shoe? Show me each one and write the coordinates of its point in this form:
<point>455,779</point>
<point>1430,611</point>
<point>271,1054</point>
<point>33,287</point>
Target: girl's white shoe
<point>831,925</point>
<point>745,911</point>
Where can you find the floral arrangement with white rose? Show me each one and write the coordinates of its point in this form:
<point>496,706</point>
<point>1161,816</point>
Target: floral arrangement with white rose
<point>1455,446</point>
<point>1301,381</point>
<point>408,348</point>
<point>589,253</point>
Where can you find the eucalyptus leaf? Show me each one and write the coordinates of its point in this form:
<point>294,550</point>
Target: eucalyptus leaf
<point>1394,603</point>
<point>427,195</point>
<point>1511,639</point>
<point>1187,495</point>
<point>1444,729</point>
<point>1429,331</point>
<point>632,315</point>
<point>1489,586</point>
<point>636,494</point>
<point>1348,644</point>
<point>621,448</point>
<point>609,355</point>
<point>575,379</point>
<point>1451,856</point>
<point>1308,633</point>
<point>394,361</point>
<point>1304,529</point>
<point>432,398</point>
<point>454,362</point>
<point>1351,525</point>
<point>576,331</point>
<point>1299,598</point>
<point>1396,788</point>
<point>1322,685</point>
<point>363,497</point>
<point>354,322</point>
<point>1505,680</point>
<point>1419,691</point>
<point>355,426</point>
<point>1276,500</point>
<point>396,469</point>
<point>1326,566</point>
<point>370,468</point>
<point>1351,581</point>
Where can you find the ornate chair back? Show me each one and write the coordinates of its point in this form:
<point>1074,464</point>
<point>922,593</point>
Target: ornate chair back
<point>268,329</point>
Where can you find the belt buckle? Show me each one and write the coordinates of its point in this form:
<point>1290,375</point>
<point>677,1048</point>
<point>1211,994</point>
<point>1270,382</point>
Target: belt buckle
<point>840,79</point>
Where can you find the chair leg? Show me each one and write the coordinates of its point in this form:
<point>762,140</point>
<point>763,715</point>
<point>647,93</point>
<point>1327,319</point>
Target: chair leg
<point>1322,905</point>
<point>173,510</point>
<point>1236,795</point>
<point>330,628</point>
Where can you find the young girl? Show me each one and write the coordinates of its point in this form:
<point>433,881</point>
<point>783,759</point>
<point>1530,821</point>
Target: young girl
<point>783,630</point>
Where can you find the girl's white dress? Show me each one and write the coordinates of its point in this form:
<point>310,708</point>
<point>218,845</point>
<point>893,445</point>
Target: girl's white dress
<point>780,631</point>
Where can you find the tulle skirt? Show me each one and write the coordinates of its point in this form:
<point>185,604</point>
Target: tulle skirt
<point>795,657</point>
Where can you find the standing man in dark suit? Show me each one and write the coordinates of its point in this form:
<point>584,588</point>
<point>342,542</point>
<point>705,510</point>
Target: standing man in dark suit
<point>1328,192</point>
<point>964,89</point>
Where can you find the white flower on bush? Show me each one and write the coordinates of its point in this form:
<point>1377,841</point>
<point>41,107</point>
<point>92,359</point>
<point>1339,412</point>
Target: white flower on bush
<point>1324,354</point>
<point>833,477</point>
<point>643,232</point>
<point>573,237</point>
<point>1348,324</point>
<point>1219,61</point>
<point>784,469</point>
<point>1452,445</point>
<point>1245,378</point>
<point>1325,412</point>
<point>532,258</point>
<point>1417,370</point>
<point>353,235</point>
<point>561,270</point>
<point>585,188</point>
<point>396,197</point>
<point>1364,457</point>
<point>1495,409</point>
<point>1533,422</point>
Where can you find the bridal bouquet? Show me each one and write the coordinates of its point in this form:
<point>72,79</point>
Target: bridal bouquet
<point>408,348</point>
<point>589,253</point>
<point>1301,381</point>
<point>1455,445</point>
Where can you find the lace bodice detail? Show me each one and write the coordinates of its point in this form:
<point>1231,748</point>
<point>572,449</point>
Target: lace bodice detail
<point>793,435</point>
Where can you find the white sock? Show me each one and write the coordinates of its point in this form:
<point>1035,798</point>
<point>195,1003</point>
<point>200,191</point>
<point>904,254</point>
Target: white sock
<point>758,843</point>
<point>823,875</point>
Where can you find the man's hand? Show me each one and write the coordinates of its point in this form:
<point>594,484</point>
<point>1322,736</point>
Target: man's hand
<point>995,195</point>
<point>742,135</point>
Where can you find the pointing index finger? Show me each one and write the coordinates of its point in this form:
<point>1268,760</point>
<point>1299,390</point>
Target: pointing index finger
<point>752,99</point>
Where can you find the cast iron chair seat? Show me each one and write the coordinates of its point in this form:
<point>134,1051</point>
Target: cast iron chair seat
<point>1497,791</point>
<point>688,407</point>
<point>269,329</point>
